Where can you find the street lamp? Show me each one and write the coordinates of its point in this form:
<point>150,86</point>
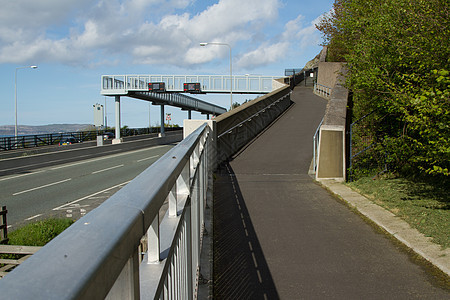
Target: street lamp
<point>15,94</point>
<point>231,69</point>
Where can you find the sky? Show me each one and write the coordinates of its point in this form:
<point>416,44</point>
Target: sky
<point>74,42</point>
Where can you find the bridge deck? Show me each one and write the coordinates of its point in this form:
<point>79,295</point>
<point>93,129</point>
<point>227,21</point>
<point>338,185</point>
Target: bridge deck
<point>277,234</point>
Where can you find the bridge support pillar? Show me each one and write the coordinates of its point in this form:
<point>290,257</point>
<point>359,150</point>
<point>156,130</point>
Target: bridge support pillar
<point>189,114</point>
<point>162,133</point>
<point>118,138</point>
<point>207,116</point>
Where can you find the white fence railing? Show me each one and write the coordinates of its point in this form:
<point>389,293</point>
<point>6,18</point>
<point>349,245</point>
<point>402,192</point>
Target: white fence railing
<point>103,254</point>
<point>322,90</point>
<point>253,84</point>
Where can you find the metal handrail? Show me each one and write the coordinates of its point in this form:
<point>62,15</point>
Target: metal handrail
<point>253,115</point>
<point>253,84</point>
<point>98,255</point>
<point>316,145</point>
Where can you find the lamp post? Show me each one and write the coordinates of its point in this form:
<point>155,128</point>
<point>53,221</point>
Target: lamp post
<point>15,94</point>
<point>231,69</point>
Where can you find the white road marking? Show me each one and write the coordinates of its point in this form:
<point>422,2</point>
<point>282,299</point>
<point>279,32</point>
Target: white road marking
<point>42,186</point>
<point>107,169</point>
<point>18,176</point>
<point>106,157</point>
<point>86,197</point>
<point>33,217</point>
<point>148,158</point>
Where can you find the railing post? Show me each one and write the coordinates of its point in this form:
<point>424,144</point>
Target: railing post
<point>183,181</point>
<point>153,241</point>
<point>127,284</point>
<point>172,199</point>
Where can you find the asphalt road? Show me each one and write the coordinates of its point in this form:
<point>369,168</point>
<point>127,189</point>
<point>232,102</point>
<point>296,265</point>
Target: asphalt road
<point>71,189</point>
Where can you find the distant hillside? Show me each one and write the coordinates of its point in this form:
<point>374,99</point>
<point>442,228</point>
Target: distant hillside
<point>43,129</point>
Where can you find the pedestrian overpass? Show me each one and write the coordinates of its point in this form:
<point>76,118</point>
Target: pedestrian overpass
<point>241,84</point>
<point>173,93</point>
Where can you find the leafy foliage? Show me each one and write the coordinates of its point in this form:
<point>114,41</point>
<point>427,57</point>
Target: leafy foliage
<point>38,233</point>
<point>398,58</point>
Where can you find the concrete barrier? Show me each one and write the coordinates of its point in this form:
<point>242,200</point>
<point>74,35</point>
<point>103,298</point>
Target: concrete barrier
<point>239,126</point>
<point>331,161</point>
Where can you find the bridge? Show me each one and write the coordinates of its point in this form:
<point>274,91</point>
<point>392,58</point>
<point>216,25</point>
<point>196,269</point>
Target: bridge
<point>277,234</point>
<point>137,86</point>
<point>240,84</point>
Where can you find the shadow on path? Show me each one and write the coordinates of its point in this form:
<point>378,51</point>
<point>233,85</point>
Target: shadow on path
<point>240,267</point>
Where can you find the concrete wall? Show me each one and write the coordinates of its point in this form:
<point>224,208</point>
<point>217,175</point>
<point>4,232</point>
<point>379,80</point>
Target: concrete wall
<point>328,73</point>
<point>331,162</point>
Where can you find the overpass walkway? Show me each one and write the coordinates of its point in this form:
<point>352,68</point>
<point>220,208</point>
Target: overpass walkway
<point>279,235</point>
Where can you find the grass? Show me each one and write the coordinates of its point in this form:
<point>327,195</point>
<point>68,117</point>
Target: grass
<point>38,233</point>
<point>425,206</point>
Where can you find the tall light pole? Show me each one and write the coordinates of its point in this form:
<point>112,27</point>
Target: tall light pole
<point>15,94</point>
<point>231,69</point>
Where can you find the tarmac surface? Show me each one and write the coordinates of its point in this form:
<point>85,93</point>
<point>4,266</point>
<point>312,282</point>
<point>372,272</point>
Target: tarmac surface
<point>280,235</point>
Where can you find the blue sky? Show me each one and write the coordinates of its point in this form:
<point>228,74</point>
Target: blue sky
<point>74,42</point>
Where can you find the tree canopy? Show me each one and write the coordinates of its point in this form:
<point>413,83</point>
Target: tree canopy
<point>398,56</point>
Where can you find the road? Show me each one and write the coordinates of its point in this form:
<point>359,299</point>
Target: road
<point>71,189</point>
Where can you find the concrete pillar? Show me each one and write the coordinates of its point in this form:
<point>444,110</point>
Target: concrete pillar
<point>117,139</point>
<point>162,133</point>
<point>189,114</point>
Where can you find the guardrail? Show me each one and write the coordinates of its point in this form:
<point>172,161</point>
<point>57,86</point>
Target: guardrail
<point>322,90</point>
<point>38,140</point>
<point>236,128</point>
<point>101,256</point>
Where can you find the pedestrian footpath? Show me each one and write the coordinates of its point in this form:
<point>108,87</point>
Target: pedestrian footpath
<point>280,235</point>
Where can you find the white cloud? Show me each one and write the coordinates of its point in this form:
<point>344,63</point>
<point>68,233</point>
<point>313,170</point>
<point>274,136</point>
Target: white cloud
<point>144,31</point>
<point>263,55</point>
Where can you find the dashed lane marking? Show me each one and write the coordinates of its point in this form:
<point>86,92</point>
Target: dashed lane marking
<point>42,186</point>
<point>107,169</point>
<point>64,206</point>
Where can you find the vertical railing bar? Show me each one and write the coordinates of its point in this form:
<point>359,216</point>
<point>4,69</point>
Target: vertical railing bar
<point>153,241</point>
<point>173,201</point>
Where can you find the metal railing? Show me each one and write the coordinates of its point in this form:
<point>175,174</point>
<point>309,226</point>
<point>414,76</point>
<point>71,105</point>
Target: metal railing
<point>250,124</point>
<point>322,90</point>
<point>39,140</point>
<point>316,146</point>
<point>100,256</point>
<point>256,84</point>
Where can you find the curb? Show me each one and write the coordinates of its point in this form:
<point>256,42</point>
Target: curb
<point>398,228</point>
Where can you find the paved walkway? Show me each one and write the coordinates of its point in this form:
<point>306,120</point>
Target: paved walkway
<point>279,235</point>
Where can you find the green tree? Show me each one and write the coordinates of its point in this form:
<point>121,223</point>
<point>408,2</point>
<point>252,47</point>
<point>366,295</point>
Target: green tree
<point>398,57</point>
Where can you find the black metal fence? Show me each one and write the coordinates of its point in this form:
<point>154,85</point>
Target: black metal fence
<point>367,156</point>
<point>38,140</point>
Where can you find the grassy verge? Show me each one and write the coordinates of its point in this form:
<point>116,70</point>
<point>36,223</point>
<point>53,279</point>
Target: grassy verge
<point>38,233</point>
<point>425,206</point>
